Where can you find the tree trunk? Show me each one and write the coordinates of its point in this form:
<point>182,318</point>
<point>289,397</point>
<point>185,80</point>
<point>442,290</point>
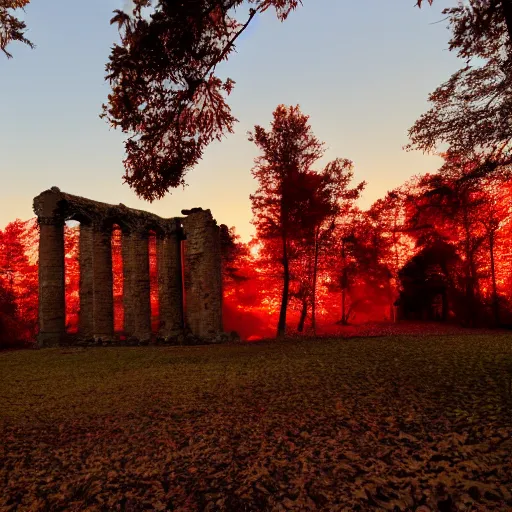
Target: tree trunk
<point>281,326</point>
<point>469,275</point>
<point>315,273</point>
<point>303,315</point>
<point>495,302</point>
<point>445,306</point>
<point>344,282</point>
<point>344,320</point>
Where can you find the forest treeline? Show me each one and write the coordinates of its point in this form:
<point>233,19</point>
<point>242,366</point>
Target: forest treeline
<point>436,248</point>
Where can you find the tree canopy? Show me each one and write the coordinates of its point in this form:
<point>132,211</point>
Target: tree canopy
<point>470,112</point>
<point>11,28</point>
<point>165,92</point>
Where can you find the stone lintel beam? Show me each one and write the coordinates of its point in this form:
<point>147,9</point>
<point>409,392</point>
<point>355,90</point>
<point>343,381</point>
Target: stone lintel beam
<point>52,311</point>
<point>71,207</point>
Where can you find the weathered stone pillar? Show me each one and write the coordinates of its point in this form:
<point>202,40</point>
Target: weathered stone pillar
<point>136,288</point>
<point>52,311</point>
<point>86,326</point>
<point>103,298</point>
<point>170,285</point>
<point>203,277</point>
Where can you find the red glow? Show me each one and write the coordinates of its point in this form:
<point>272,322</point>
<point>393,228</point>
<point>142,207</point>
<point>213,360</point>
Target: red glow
<point>153,283</point>
<point>117,277</point>
<point>72,276</point>
<point>377,265</point>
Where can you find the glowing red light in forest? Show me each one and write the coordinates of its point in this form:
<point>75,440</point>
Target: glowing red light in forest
<point>72,275</point>
<point>117,277</point>
<point>153,282</point>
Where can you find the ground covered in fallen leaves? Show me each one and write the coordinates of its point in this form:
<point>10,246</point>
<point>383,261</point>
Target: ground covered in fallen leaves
<point>392,423</point>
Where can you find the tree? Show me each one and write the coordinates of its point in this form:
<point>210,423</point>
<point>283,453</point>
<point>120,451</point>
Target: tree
<point>289,149</point>
<point>72,276</point>
<point>430,275</point>
<point>165,93</point>
<point>386,217</point>
<point>331,201</point>
<point>453,210</point>
<point>295,207</point>
<point>233,252</point>
<point>19,276</point>
<point>462,211</point>
<point>358,268</point>
<point>9,332</point>
<point>490,13</point>
<point>11,28</point>
<point>471,111</point>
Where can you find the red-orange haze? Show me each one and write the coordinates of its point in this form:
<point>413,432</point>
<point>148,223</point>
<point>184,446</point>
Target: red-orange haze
<point>402,259</point>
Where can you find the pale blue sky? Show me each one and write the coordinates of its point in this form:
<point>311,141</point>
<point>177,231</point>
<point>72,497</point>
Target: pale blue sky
<point>362,70</point>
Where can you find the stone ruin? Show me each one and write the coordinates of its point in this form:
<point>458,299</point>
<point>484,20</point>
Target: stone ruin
<point>189,279</point>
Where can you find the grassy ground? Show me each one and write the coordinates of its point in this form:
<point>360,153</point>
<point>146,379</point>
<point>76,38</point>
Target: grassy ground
<point>397,423</point>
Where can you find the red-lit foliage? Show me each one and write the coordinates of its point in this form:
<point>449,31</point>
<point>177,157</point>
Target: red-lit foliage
<point>295,208</point>
<point>72,275</point>
<point>153,283</point>
<point>472,216</point>
<point>18,282</point>
<point>117,278</point>
<point>247,304</point>
<point>437,248</point>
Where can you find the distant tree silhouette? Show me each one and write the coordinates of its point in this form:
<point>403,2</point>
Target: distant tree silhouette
<point>359,268</point>
<point>330,202</point>
<point>289,149</point>
<point>469,214</point>
<point>429,288</point>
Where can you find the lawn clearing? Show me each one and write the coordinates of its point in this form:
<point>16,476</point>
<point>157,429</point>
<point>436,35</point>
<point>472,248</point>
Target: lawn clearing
<point>365,424</point>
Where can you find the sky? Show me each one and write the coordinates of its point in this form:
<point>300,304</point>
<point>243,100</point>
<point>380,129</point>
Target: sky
<point>361,69</point>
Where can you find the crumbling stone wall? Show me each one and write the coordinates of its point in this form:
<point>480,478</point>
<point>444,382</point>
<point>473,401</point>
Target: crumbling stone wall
<point>203,278</point>
<point>203,283</point>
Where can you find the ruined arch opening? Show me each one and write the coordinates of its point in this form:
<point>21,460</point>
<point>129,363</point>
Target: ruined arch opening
<point>153,282</point>
<point>72,275</point>
<point>117,278</point>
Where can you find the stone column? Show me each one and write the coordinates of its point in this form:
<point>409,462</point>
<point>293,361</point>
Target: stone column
<point>52,311</point>
<point>136,288</point>
<point>203,277</point>
<point>86,326</point>
<point>170,285</point>
<point>103,299</point>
